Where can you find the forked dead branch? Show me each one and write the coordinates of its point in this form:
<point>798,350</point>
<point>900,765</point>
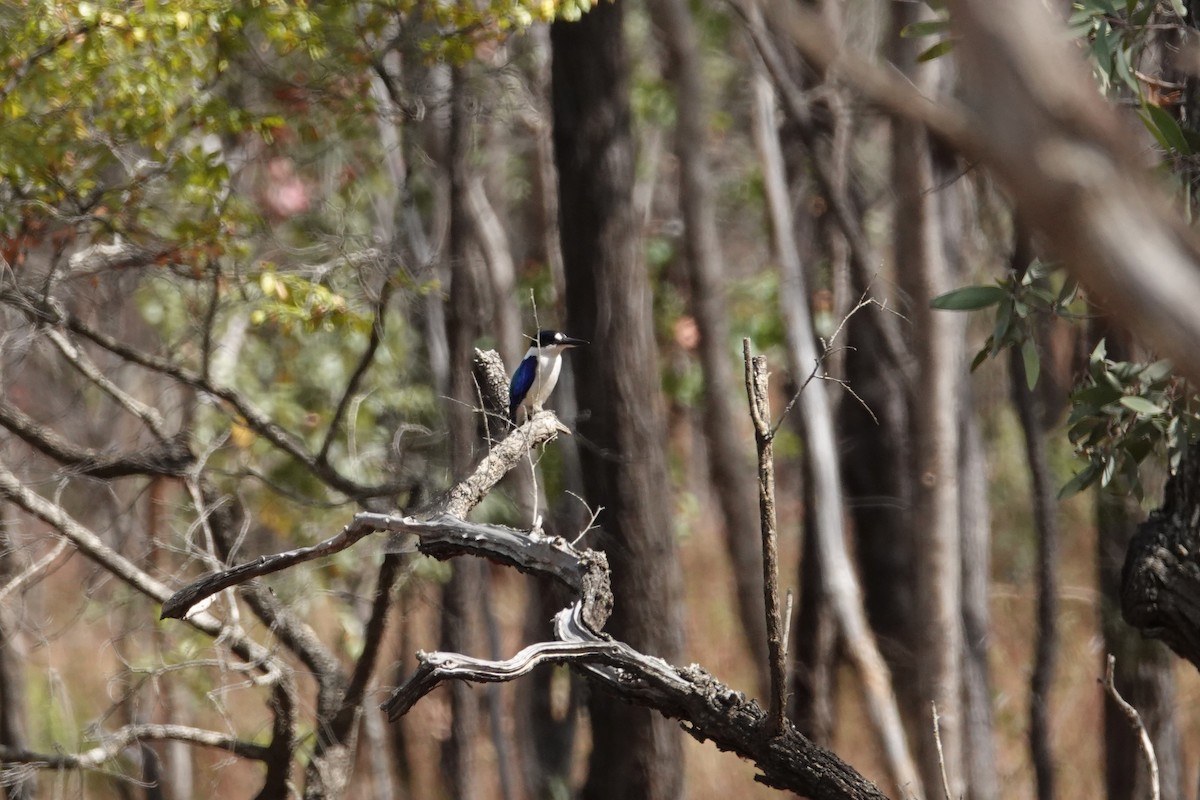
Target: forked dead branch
<point>707,709</point>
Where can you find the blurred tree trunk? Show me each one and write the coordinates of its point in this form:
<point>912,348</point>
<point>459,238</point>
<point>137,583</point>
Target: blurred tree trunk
<point>1030,412</point>
<point>839,583</point>
<point>635,753</point>
<point>548,701</point>
<point>975,520</point>
<point>922,271</point>
<point>18,785</point>
<point>814,669</point>
<point>460,599</point>
<point>1144,673</point>
<point>729,463</point>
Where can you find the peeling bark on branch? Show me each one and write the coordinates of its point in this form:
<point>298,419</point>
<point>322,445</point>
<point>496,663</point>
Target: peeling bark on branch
<point>707,709</point>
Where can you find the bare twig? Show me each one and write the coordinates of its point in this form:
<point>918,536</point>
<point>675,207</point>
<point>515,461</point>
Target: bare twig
<point>168,457</point>
<point>760,414</point>
<point>34,571</point>
<point>827,349</point>
<point>113,743</point>
<point>77,358</point>
<point>123,569</point>
<point>40,310</point>
<point>937,740</point>
<point>364,363</point>
<point>1135,721</point>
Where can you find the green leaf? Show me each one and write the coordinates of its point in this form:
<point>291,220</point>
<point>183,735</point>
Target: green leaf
<point>926,27</point>
<point>969,298</point>
<point>1156,371</point>
<point>937,50</point>
<point>1033,364</point>
<point>1165,129</point>
<point>1099,395</point>
<point>1081,481</point>
<point>1140,405</point>
<point>981,356</point>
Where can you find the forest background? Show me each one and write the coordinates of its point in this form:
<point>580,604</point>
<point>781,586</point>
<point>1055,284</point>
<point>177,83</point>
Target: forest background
<point>246,254</point>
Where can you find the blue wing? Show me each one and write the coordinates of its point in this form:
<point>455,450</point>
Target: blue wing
<point>522,381</point>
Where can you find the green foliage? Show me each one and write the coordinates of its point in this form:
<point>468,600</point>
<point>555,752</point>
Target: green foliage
<point>1019,304</point>
<point>940,27</point>
<point>1121,413</point>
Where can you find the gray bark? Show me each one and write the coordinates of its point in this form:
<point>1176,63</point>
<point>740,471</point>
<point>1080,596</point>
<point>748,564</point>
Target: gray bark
<point>729,462</point>
<point>634,753</point>
<point>923,273</point>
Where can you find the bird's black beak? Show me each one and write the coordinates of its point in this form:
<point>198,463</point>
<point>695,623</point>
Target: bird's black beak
<point>571,341</point>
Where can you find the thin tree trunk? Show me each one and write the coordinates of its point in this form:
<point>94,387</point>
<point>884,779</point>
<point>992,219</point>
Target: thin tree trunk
<point>549,701</point>
<point>976,526</point>
<point>460,762</point>
<point>729,463</point>
<point>18,786</point>
<point>839,582</point>
<point>922,271</point>
<point>1045,522</point>
<point>634,753</point>
<point>814,676</point>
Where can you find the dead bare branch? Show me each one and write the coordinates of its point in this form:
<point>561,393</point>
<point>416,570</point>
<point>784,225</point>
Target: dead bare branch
<point>1135,721</point>
<point>760,414</point>
<point>111,745</point>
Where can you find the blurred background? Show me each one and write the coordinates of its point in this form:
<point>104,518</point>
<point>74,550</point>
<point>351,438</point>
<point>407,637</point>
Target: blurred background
<point>246,254</point>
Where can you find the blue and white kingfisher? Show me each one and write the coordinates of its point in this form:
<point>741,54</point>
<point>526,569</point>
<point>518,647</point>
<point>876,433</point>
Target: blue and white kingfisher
<point>537,374</point>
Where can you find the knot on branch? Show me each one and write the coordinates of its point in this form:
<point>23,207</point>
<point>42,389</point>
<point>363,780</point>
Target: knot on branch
<point>1160,581</point>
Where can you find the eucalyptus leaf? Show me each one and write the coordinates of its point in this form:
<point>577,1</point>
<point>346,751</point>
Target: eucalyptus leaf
<point>969,298</point>
<point>1140,405</point>
<point>1029,356</point>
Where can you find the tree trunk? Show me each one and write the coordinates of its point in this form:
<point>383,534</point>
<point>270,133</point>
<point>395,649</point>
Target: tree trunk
<point>976,523</point>
<point>1030,412</point>
<point>460,597</point>
<point>729,463</point>
<point>922,271</point>
<point>18,785</point>
<point>814,668</point>
<point>838,580</point>
<point>1144,669</point>
<point>634,753</point>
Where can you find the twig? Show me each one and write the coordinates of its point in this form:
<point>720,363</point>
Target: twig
<point>113,743</point>
<point>93,547</point>
<point>364,363</point>
<point>77,358</point>
<point>1135,721</point>
<point>826,350</point>
<point>937,740</point>
<point>760,414</point>
<point>41,310</point>
<point>34,571</point>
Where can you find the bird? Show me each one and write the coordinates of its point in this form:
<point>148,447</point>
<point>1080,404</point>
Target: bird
<point>537,374</point>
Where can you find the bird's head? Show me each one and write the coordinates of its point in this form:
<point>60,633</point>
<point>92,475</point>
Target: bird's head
<point>556,339</point>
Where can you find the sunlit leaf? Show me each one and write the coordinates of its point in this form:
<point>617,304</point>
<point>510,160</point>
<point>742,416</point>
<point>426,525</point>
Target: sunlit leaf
<point>936,51</point>
<point>1140,405</point>
<point>969,298</point>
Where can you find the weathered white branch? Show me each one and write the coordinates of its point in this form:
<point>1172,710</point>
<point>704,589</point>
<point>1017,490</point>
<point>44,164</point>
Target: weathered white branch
<point>111,745</point>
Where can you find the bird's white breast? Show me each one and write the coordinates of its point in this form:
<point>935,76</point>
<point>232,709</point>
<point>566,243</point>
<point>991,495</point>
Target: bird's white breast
<point>549,365</point>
